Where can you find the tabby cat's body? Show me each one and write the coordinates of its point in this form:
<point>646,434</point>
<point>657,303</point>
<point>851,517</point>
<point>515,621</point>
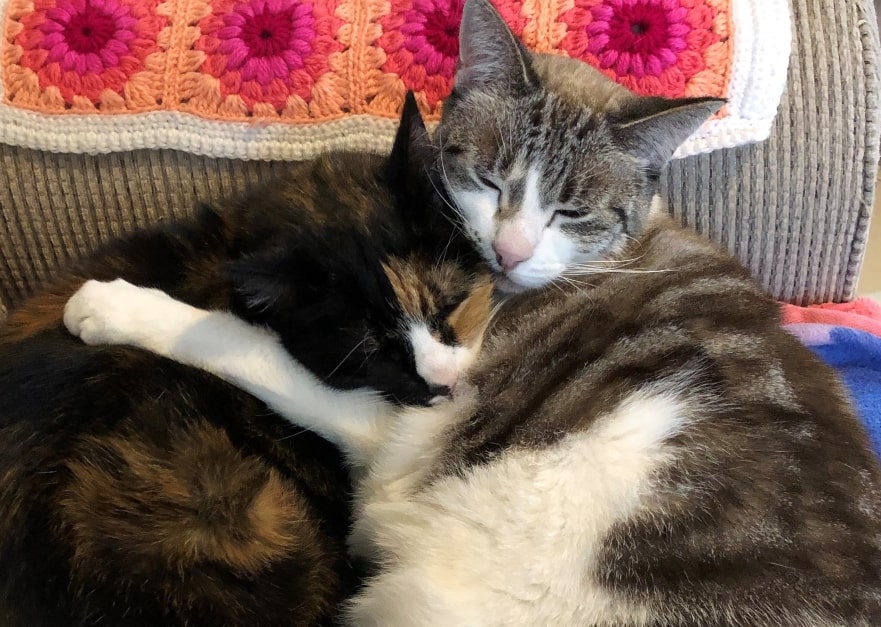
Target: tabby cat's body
<point>638,451</point>
<point>135,491</point>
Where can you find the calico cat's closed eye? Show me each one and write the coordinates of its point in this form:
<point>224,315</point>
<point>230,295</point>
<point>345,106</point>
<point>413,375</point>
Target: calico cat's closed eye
<point>447,310</point>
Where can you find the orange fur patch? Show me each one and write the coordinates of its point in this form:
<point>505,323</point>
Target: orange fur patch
<point>411,292</point>
<point>190,498</point>
<point>471,318</point>
<point>40,313</point>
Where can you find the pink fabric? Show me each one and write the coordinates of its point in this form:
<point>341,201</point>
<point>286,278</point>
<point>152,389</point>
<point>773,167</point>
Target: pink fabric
<point>863,314</point>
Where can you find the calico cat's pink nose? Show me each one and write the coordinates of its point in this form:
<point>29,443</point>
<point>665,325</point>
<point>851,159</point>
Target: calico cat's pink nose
<point>512,251</point>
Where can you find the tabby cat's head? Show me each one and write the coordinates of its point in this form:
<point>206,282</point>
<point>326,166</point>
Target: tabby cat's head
<point>550,164</point>
<point>375,292</point>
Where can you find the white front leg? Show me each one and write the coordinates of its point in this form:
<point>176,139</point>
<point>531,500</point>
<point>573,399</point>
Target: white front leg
<point>249,357</point>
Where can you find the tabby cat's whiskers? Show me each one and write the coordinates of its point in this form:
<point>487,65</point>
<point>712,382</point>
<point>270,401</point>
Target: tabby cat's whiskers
<point>589,269</point>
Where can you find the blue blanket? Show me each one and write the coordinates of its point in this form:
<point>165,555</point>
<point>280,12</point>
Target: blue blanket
<point>856,355</point>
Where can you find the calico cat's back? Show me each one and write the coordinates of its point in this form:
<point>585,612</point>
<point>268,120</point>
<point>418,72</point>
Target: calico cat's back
<point>135,491</point>
<point>140,492</point>
<point>189,258</point>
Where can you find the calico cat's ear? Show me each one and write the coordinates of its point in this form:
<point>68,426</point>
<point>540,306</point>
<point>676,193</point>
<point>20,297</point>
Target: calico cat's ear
<point>490,55</point>
<point>284,277</point>
<point>653,128</point>
<point>413,152</point>
<point>262,280</point>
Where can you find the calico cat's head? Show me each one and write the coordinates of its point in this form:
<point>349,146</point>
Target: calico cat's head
<point>550,164</point>
<point>378,293</point>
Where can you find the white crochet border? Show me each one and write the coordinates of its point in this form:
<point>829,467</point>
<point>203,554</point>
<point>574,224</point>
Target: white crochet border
<point>762,41</point>
<point>762,44</point>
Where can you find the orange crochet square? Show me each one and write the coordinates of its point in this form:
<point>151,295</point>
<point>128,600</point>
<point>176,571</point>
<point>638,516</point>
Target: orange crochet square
<point>85,55</point>
<point>306,61</point>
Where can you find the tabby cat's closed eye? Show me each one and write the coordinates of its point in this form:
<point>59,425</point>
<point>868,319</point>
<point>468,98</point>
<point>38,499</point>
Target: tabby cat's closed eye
<point>488,183</point>
<point>569,214</point>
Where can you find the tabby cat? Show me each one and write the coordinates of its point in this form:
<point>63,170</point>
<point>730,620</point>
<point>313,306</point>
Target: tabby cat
<point>138,492</point>
<point>638,443</point>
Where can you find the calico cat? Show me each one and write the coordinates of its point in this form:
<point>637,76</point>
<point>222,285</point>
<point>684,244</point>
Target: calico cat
<point>638,443</point>
<point>138,492</point>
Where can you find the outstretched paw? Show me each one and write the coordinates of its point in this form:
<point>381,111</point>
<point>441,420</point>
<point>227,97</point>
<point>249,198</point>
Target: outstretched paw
<point>114,312</point>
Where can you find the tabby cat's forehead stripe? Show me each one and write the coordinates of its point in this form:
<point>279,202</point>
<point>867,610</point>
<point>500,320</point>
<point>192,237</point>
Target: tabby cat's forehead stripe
<point>515,189</point>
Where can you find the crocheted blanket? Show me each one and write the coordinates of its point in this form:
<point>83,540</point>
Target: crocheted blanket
<point>286,79</point>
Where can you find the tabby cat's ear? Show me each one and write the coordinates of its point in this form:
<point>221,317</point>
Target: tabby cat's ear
<point>652,129</point>
<point>491,58</point>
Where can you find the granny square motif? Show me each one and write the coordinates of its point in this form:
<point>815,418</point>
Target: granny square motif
<point>286,79</point>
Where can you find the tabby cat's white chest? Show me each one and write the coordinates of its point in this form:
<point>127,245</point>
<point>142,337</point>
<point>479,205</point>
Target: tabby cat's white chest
<point>513,541</point>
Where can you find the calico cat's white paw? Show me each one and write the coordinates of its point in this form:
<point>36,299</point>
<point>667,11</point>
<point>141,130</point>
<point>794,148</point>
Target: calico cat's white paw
<point>114,312</point>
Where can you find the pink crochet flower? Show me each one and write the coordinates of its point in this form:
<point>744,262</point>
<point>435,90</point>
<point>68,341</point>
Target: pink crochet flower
<point>421,41</point>
<point>84,47</point>
<point>267,50</point>
<point>651,46</point>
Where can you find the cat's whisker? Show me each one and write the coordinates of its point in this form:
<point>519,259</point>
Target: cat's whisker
<point>455,223</point>
<point>568,280</point>
<point>615,261</point>
<point>457,228</point>
<point>293,435</point>
<point>443,255</point>
<point>572,279</point>
<point>496,309</point>
<point>368,354</point>
<point>610,261</point>
<point>578,286</point>
<point>556,285</point>
<point>631,238</point>
<point>504,146</point>
<point>349,354</point>
<point>594,270</point>
<point>452,205</point>
<point>443,196</point>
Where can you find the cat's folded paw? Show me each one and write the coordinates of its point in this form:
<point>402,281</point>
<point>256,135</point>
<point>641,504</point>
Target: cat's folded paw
<point>109,312</point>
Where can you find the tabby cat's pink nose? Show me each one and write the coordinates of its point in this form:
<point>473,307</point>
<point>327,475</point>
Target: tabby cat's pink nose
<point>510,252</point>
